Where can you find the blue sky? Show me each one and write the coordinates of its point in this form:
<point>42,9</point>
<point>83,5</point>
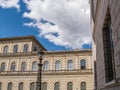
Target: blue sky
<point>20,21</point>
<point>11,24</point>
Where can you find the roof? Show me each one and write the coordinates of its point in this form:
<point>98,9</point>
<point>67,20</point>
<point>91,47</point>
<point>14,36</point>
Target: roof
<point>69,51</point>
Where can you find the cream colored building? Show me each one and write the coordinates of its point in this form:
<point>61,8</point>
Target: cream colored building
<point>62,70</point>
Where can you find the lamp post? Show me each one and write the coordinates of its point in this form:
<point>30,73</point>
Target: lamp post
<point>38,82</point>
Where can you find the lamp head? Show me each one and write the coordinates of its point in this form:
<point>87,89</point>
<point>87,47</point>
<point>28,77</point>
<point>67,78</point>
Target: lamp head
<point>40,53</point>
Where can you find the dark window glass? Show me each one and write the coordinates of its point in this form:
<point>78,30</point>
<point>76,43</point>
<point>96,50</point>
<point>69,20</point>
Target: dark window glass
<point>9,86</point>
<point>57,86</point>
<point>23,66</point>
<point>108,49</point>
<point>44,86</point>
<point>0,86</point>
<point>69,86</point>
<point>70,65</point>
<point>83,64</point>
<point>32,86</point>
<point>20,86</point>
<point>15,50</point>
<point>83,85</point>
<point>13,66</point>
<point>34,66</point>
<point>25,48</point>
<point>57,65</point>
<point>3,67</point>
<point>5,49</point>
<point>35,48</point>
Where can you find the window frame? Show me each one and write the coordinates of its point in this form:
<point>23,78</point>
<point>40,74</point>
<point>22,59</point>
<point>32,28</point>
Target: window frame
<point>55,86</point>
<point>83,86</point>
<point>5,50</point>
<point>13,66</point>
<point>69,86</point>
<point>15,49</point>
<point>25,48</point>
<point>2,67</point>
<point>23,67</point>
<point>10,86</point>
<point>35,49</point>
<point>21,83</point>
<point>0,85</point>
<point>34,66</point>
<point>70,65</point>
<point>44,86</point>
<point>57,65</point>
<point>83,64</point>
<point>32,88</point>
<point>108,48</point>
<point>46,65</point>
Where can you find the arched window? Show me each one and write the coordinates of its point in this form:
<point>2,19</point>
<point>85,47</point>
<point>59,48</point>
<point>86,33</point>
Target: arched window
<point>34,66</point>
<point>57,65</point>
<point>46,64</point>
<point>3,67</point>
<point>20,86</point>
<point>32,86</point>
<point>69,86</point>
<point>0,86</point>
<point>5,49</point>
<point>83,64</point>
<point>12,66</point>
<point>10,86</point>
<point>70,65</point>
<point>25,48</point>
<point>15,50</point>
<point>44,86</point>
<point>23,66</point>
<point>83,85</point>
<point>57,86</point>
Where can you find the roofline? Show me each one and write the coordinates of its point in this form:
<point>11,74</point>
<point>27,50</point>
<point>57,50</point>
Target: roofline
<point>15,38</point>
<point>70,51</point>
<point>35,39</point>
<point>32,37</point>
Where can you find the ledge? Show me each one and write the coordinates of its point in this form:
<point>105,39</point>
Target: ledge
<point>48,72</point>
<point>111,84</point>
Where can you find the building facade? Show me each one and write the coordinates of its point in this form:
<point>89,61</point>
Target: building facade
<point>105,21</point>
<point>62,70</point>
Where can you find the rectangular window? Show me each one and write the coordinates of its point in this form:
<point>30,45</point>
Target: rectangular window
<point>108,49</point>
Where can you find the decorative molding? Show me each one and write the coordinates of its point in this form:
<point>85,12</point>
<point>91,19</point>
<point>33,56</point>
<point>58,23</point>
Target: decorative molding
<point>48,72</point>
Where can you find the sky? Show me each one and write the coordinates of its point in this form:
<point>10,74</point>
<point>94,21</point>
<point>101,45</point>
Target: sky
<point>57,24</point>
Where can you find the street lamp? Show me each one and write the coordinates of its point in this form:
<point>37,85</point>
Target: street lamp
<point>38,82</point>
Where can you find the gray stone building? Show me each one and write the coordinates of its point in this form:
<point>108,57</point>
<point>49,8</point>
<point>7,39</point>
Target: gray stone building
<point>62,70</point>
<point>105,18</point>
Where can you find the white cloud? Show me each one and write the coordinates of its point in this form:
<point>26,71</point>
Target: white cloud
<point>71,19</point>
<point>9,4</point>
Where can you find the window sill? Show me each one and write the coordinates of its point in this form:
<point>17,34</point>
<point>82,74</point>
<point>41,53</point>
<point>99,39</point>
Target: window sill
<point>110,84</point>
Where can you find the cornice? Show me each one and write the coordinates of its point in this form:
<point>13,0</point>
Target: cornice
<point>49,72</point>
<point>49,53</point>
<point>22,38</point>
